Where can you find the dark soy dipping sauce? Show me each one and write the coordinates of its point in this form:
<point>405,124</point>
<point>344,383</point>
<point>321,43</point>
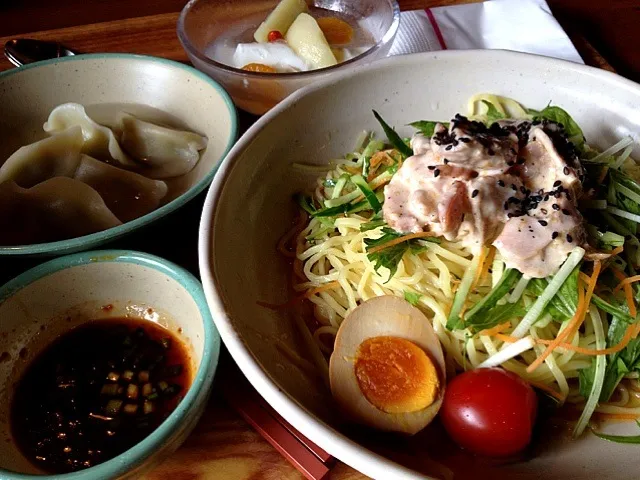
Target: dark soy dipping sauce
<point>97,391</point>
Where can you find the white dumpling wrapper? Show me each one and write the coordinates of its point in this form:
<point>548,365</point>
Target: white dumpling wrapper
<point>56,209</point>
<point>99,141</point>
<point>166,151</point>
<point>127,194</point>
<point>55,156</point>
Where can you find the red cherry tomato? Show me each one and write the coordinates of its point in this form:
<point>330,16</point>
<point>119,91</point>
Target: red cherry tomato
<point>489,411</point>
<point>274,35</point>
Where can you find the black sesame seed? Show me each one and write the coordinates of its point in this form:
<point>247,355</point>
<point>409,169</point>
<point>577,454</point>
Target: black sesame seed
<point>474,194</point>
<point>501,183</point>
<point>546,197</point>
<point>523,190</point>
<point>464,139</point>
<point>554,235</point>
<point>565,170</point>
<point>448,147</point>
<point>513,187</point>
<point>566,212</point>
<point>446,161</point>
<point>557,183</point>
<point>521,161</point>
<point>555,206</point>
<point>543,223</point>
<point>506,205</point>
<point>569,238</point>
<point>511,215</point>
<point>431,167</point>
<point>436,172</point>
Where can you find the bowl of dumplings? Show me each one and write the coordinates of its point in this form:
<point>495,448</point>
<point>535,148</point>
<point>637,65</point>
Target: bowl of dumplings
<point>94,147</point>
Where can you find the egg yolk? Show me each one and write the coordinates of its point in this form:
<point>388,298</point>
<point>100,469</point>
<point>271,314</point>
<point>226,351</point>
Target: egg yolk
<point>396,375</point>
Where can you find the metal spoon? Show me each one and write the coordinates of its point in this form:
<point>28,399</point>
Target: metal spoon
<point>20,51</point>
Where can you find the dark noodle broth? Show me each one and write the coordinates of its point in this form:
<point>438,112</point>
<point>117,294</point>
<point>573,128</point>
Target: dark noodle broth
<point>97,391</point>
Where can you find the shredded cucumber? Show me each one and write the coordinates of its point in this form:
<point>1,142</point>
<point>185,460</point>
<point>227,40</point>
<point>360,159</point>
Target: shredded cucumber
<point>552,288</point>
<point>512,350</point>
<point>453,322</point>
<point>612,150</point>
<point>598,378</point>
<point>518,289</point>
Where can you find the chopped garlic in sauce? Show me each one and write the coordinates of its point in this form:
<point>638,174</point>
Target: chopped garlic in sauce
<point>514,185</point>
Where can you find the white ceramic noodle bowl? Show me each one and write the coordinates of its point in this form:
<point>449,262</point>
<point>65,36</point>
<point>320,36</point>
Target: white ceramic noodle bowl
<point>249,207</point>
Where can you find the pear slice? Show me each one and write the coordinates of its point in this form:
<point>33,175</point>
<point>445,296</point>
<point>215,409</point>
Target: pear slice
<point>306,39</point>
<point>280,19</point>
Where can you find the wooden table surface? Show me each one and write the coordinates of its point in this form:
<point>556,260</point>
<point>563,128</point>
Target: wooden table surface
<point>223,446</point>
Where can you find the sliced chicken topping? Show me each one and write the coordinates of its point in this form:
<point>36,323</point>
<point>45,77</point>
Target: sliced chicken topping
<point>513,184</point>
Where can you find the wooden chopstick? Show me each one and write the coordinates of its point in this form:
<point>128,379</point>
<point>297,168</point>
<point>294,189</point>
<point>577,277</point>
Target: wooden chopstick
<point>309,459</point>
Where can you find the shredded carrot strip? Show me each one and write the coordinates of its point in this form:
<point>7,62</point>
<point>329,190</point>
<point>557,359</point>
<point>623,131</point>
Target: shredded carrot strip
<point>583,303</point>
<point>402,239</point>
<point>548,389</point>
<point>631,304</point>
<point>618,274</point>
<point>309,293</point>
<point>628,336</point>
<point>488,262</point>
<point>497,329</point>
<point>483,257</point>
<point>616,251</point>
<point>618,416</point>
<point>626,281</point>
<point>585,278</point>
<point>628,293</point>
<point>506,338</point>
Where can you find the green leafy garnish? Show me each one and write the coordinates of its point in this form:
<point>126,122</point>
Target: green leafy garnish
<point>341,209</point>
<point>558,115</point>
<point>305,203</point>
<point>372,224</point>
<point>427,127</point>
<point>394,139</point>
<point>412,297</point>
<point>564,303</point>
<point>390,257</point>
<point>368,193</point>
<point>481,315</point>
<point>492,114</point>
<point>619,438</point>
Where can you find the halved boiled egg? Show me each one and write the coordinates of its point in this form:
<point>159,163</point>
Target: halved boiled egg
<point>387,368</point>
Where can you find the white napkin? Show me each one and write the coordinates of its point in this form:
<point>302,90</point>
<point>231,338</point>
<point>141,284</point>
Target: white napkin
<point>520,25</point>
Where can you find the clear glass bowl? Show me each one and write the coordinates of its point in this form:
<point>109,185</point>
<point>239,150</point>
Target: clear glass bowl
<point>204,23</point>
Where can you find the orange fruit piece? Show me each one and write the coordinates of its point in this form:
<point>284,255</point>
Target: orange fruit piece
<point>336,31</point>
<point>259,67</point>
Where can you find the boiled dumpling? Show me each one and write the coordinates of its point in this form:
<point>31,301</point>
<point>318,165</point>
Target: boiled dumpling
<point>54,156</point>
<point>57,209</point>
<point>168,152</point>
<point>99,141</point>
<point>128,195</point>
